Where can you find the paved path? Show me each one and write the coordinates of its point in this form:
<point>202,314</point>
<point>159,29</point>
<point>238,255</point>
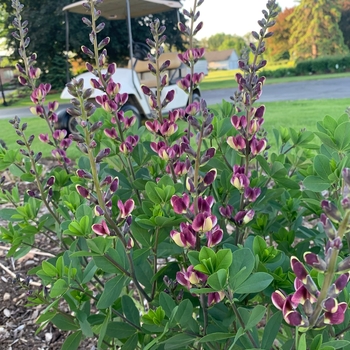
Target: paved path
<point>312,89</point>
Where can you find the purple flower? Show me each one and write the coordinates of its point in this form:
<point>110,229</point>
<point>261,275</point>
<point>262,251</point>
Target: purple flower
<point>226,211</point>
<point>214,236</point>
<point>237,142</point>
<point>190,277</point>
<point>111,133</point>
<point>331,210</point>
<point>251,194</point>
<point>209,177</point>
<point>239,122</point>
<point>192,109</point>
<point>315,261</point>
<point>336,317</point>
<point>101,229</point>
<point>44,138</point>
<point>180,204</point>
<point>299,269</point>
<point>168,128</point>
<point>257,146</point>
<point>240,181</point>
<point>126,208</point>
<point>214,298</point>
<point>152,126</point>
<point>82,191</point>
<point>186,238</point>
<point>204,222</point>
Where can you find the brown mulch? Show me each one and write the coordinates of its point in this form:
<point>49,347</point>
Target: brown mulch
<point>17,321</point>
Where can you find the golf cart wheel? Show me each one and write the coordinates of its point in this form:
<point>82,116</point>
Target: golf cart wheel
<point>196,97</point>
<point>134,111</point>
<point>71,124</point>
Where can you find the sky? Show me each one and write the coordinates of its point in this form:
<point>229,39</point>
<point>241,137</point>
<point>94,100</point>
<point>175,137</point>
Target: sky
<point>231,16</point>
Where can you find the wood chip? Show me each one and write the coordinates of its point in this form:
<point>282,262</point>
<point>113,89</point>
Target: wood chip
<point>7,312</point>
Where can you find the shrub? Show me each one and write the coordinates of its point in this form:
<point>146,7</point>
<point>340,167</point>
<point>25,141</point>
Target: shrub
<point>184,233</point>
<point>322,65</point>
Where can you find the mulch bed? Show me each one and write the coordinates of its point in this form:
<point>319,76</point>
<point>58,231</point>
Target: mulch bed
<point>17,322</point>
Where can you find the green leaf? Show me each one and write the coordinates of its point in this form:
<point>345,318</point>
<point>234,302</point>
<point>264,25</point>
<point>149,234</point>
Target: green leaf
<point>223,259</point>
<point>336,344</point>
<point>271,330</point>
<point>287,183</point>
<point>322,166</point>
<point>111,292</point>
<point>167,303</point>
<point>243,262</point>
<point>131,343</point>
<point>329,124</point>
<point>302,342</point>
<point>184,313</point>
<point>327,140</point>
<point>152,193</point>
<point>178,341</point>
<point>206,253</point>
<point>102,332</point>
<point>342,136</point>
<point>218,279</point>
<point>255,283</point>
<point>216,337</point>
<point>256,316</point>
<point>259,246</point>
<point>120,330</point>
<point>193,256</point>
<point>317,342</point>
<point>49,269</point>
<point>130,310</point>
<point>316,183</point>
<point>73,341</point>
<point>64,322</point>
<point>59,288</point>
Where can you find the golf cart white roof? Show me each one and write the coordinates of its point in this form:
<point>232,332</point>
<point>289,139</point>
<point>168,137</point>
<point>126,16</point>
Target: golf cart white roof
<point>117,9</point>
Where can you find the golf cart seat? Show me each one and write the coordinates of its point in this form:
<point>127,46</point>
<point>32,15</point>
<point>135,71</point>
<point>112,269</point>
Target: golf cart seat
<point>147,78</point>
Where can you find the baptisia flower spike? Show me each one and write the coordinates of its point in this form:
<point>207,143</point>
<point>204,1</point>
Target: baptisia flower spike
<point>312,306</point>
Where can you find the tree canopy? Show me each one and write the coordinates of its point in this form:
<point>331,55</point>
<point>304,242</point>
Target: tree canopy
<point>315,31</point>
<point>48,34</point>
<point>344,23</point>
<point>222,41</point>
<point>278,46</point>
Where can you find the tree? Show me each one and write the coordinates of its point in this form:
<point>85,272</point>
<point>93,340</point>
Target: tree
<point>278,47</point>
<point>344,23</point>
<point>222,41</point>
<point>315,31</point>
<point>233,42</point>
<point>48,35</point>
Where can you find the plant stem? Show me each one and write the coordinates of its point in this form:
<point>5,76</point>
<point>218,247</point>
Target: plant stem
<point>329,273</point>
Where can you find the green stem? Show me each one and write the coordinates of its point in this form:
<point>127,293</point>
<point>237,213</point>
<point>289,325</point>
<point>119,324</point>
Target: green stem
<point>329,274</point>
<point>240,319</point>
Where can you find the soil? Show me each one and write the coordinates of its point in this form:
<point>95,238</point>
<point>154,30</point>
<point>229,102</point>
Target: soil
<point>17,322</point>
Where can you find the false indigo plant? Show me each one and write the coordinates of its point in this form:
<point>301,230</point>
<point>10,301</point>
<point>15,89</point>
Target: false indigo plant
<point>182,233</point>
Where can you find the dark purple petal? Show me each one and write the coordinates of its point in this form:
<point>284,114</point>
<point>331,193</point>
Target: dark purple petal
<point>299,269</point>
<point>278,299</point>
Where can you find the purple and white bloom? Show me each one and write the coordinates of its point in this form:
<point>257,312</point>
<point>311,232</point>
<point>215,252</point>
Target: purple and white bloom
<point>180,204</point>
<point>101,229</point>
<point>204,222</point>
<point>190,277</point>
<point>186,238</point>
<point>126,208</point>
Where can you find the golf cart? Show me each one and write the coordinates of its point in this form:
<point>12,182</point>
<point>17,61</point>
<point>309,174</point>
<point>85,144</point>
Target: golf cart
<point>137,72</point>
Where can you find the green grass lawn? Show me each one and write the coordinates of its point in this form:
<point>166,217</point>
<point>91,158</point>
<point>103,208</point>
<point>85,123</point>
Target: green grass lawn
<point>294,114</point>
<point>226,79</point>
<point>26,101</point>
